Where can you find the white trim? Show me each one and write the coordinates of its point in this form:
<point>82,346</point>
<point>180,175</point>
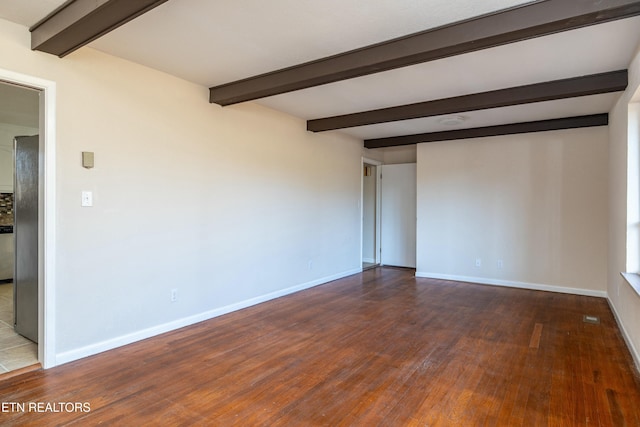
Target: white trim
<point>514,284</point>
<point>632,349</point>
<point>378,249</point>
<point>47,205</point>
<point>110,344</point>
<point>633,280</point>
<point>369,260</point>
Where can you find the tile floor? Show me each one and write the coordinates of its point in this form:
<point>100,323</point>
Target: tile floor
<point>15,351</point>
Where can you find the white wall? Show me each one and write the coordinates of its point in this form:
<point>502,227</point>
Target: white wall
<point>392,155</point>
<point>535,201</point>
<point>8,132</point>
<point>226,205</point>
<point>623,299</point>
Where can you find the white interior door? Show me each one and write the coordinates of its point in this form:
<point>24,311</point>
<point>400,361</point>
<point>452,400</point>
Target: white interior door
<point>398,215</point>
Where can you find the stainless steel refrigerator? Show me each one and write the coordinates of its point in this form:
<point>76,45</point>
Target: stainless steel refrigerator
<point>25,279</point>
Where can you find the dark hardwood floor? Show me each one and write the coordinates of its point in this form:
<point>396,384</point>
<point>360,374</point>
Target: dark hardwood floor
<point>381,348</point>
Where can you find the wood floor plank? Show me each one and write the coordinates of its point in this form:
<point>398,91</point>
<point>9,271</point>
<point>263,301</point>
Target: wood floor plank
<point>534,342</point>
<point>381,348</point>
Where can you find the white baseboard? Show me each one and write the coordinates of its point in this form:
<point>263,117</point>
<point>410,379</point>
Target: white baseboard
<point>371,260</point>
<point>90,350</point>
<point>632,349</point>
<point>514,284</point>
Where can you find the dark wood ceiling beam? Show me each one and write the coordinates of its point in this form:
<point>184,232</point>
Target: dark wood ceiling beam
<point>559,89</point>
<point>78,22</point>
<point>510,129</point>
<point>508,26</point>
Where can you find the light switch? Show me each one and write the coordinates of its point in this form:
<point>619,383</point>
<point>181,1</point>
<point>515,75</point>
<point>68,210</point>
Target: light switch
<point>87,198</point>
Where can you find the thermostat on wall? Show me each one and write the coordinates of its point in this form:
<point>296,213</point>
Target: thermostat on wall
<point>87,159</point>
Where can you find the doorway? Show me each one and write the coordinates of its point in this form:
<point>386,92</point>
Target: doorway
<point>370,249</point>
<point>47,209</point>
<point>398,213</point>
<point>19,115</point>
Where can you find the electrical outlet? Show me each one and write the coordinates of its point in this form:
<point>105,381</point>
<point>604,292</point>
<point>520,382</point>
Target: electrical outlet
<point>310,265</point>
<point>174,295</point>
<point>500,264</point>
<point>478,262</point>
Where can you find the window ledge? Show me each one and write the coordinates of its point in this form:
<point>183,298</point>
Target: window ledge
<point>633,279</point>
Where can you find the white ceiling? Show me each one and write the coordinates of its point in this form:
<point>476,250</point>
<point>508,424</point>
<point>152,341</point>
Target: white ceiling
<point>27,12</point>
<point>564,55</point>
<point>214,42</point>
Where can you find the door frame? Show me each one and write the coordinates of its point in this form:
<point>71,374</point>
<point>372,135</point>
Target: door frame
<point>377,164</point>
<point>47,211</point>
